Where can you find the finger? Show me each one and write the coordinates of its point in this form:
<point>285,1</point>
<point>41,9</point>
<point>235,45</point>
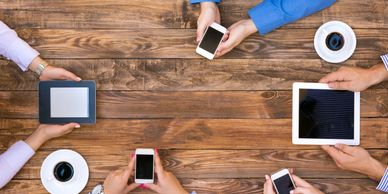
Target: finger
<point>131,187</point>
<point>339,75</point>
<point>291,170</point>
<point>131,163</point>
<point>200,30</point>
<point>158,164</point>
<point>153,187</point>
<point>226,36</point>
<point>69,76</point>
<point>300,182</point>
<point>343,85</point>
<point>224,47</point>
<point>345,148</point>
<point>333,152</point>
<point>300,190</point>
<point>268,188</point>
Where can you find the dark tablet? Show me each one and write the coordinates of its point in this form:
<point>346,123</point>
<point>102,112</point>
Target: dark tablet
<point>67,101</point>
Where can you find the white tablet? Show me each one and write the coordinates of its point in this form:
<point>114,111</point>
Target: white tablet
<point>323,116</point>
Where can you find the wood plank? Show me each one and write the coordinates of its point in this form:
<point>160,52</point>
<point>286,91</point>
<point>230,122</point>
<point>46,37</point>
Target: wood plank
<point>180,43</point>
<point>184,74</point>
<point>168,14</point>
<point>212,186</point>
<point>118,134</point>
<point>229,104</point>
<point>212,163</point>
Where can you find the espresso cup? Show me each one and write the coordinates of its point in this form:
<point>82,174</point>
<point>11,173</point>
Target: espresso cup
<point>63,171</point>
<point>335,41</point>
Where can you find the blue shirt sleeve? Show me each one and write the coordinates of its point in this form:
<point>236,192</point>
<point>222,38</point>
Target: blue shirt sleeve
<point>385,60</point>
<point>383,185</point>
<point>272,14</point>
<point>199,1</point>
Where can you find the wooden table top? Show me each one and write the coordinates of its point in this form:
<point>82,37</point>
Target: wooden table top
<point>220,125</point>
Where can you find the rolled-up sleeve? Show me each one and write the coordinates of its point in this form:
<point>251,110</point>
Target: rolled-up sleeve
<point>385,60</point>
<point>272,14</point>
<point>12,160</point>
<point>200,1</point>
<point>14,48</point>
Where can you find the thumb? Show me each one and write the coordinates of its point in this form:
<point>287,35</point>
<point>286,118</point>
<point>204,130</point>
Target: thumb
<point>69,75</point>
<point>333,77</point>
<point>300,182</point>
<point>200,30</point>
<point>131,187</point>
<point>300,190</point>
<point>153,187</point>
<point>70,126</point>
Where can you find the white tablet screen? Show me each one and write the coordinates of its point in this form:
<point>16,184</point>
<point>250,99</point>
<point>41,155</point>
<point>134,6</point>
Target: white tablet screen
<point>69,102</point>
<point>326,114</point>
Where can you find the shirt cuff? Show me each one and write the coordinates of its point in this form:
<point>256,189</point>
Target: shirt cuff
<point>273,17</point>
<point>385,60</point>
<point>16,49</point>
<point>383,185</point>
<point>12,160</point>
<point>200,1</point>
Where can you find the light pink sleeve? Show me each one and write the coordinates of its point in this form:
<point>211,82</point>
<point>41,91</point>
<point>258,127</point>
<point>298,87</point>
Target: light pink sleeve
<point>12,160</point>
<point>14,48</point>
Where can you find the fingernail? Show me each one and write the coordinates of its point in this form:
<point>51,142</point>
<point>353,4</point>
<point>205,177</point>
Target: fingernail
<point>292,192</point>
<point>156,151</point>
<point>266,177</point>
<point>77,126</point>
<point>79,79</point>
<point>132,155</point>
<point>337,145</point>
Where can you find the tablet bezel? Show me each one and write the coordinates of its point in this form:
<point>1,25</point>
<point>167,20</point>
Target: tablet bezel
<point>45,105</point>
<point>316,141</point>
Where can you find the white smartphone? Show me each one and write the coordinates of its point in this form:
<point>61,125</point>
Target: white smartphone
<point>144,171</point>
<point>211,40</point>
<point>282,181</point>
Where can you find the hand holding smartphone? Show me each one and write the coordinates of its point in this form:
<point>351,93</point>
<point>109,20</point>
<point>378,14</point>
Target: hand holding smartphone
<point>211,40</point>
<point>283,181</point>
<point>144,171</point>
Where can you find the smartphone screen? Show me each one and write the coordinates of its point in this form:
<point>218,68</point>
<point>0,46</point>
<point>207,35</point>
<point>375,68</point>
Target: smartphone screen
<point>284,184</point>
<point>144,166</point>
<point>211,40</point>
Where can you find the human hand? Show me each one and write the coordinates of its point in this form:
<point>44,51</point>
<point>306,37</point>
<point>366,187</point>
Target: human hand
<point>47,132</point>
<point>303,187</point>
<point>235,35</point>
<point>355,159</point>
<point>209,14</point>
<point>354,78</point>
<point>117,181</point>
<point>268,187</point>
<point>52,73</point>
<point>167,182</point>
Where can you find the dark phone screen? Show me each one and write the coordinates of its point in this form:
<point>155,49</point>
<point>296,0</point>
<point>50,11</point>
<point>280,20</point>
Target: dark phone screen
<point>211,40</point>
<point>284,184</point>
<point>144,166</point>
<point>326,114</point>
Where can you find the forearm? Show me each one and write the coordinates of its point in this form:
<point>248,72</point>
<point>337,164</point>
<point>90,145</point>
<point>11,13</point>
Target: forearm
<point>14,48</point>
<point>12,160</point>
<point>36,139</point>
<point>378,74</point>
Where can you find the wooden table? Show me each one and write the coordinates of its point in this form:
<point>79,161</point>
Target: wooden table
<point>220,125</point>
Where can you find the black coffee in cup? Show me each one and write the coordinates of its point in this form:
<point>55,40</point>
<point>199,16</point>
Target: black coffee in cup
<point>335,41</point>
<point>63,171</point>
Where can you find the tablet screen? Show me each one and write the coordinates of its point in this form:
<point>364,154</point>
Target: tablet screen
<point>326,114</point>
<point>69,102</point>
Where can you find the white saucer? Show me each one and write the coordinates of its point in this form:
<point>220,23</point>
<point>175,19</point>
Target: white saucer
<point>76,184</point>
<point>335,56</point>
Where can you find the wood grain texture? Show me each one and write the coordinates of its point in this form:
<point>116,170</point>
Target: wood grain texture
<point>123,134</point>
<point>168,14</point>
<point>202,164</point>
<point>165,43</point>
<point>184,74</point>
<point>228,104</point>
<point>217,186</point>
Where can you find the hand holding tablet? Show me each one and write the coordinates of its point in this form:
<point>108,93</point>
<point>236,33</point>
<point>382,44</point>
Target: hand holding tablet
<point>325,116</point>
<point>67,101</point>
